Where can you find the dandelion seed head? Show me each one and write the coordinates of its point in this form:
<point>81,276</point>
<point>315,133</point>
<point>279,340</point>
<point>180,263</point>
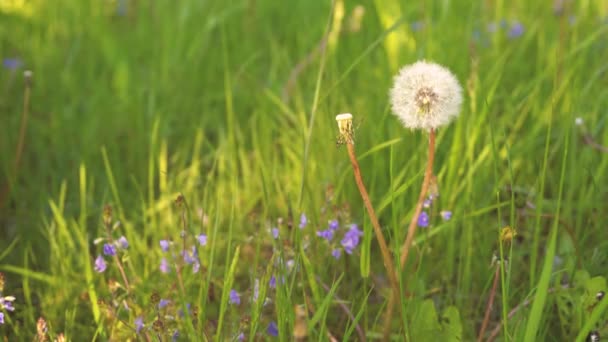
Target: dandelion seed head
<point>426,96</point>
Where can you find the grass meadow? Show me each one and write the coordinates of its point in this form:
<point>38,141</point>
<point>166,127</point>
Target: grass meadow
<point>169,171</point>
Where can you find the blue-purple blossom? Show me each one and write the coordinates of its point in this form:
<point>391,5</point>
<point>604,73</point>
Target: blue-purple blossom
<point>6,303</point>
<point>123,242</point>
<point>327,234</point>
<point>164,265</point>
<point>336,253</point>
<point>139,324</point>
<point>515,30</point>
<point>417,25</point>
<point>196,266</point>
<point>351,239</point>
<point>202,239</point>
<point>427,202</point>
<point>272,329</point>
<point>275,232</point>
<point>11,63</point>
<point>100,264</point>
<point>180,312</point>
<point>163,303</point>
<point>1,318</point>
<point>446,215</point>
<point>109,249</point>
<point>164,245</point>
<point>334,225</point>
<point>423,220</point>
<point>234,297</point>
<point>272,282</point>
<point>175,336</point>
<point>303,221</point>
<point>240,337</point>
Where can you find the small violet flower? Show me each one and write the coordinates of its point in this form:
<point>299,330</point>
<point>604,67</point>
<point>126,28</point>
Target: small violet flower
<point>272,282</point>
<point>6,303</point>
<point>351,239</point>
<point>100,264</point>
<point>164,266</point>
<point>334,225</point>
<point>164,245</point>
<point>123,243</point>
<point>515,30</point>
<point>234,297</point>
<point>202,239</point>
<point>446,215</point>
<point>327,234</point>
<point>175,336</point>
<point>275,233</point>
<point>11,63</point>
<point>163,303</point>
<point>1,318</point>
<point>139,324</point>
<point>272,329</point>
<point>423,219</point>
<point>303,221</point>
<point>109,249</point>
<point>336,253</point>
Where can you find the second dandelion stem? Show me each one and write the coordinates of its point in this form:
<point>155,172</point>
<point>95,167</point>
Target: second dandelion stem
<point>411,230</point>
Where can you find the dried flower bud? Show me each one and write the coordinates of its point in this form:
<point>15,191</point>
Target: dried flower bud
<point>345,125</point>
<point>426,96</point>
<point>41,330</point>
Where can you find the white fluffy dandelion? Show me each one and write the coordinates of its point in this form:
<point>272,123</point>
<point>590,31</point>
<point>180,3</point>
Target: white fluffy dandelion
<point>425,95</point>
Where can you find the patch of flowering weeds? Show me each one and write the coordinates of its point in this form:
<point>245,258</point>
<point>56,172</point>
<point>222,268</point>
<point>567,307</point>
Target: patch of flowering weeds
<point>6,302</point>
<point>424,219</point>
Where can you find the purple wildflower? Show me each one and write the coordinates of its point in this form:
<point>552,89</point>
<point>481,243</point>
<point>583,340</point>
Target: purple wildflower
<point>139,324</point>
<point>327,234</point>
<point>334,225</point>
<point>123,243</point>
<point>1,318</point>
<point>163,303</point>
<point>234,297</point>
<point>175,336</point>
<point>240,337</point>
<point>446,215</point>
<point>109,249</point>
<point>164,265</point>
<point>515,30</point>
<point>303,221</point>
<point>272,329</point>
<point>273,282</point>
<point>336,253</point>
<point>351,239</point>
<point>275,232</point>
<point>196,266</point>
<point>11,63</point>
<point>202,239</point>
<point>417,25</point>
<point>164,245</point>
<point>423,220</point>
<point>100,264</point>
<point>180,312</point>
<point>6,303</point>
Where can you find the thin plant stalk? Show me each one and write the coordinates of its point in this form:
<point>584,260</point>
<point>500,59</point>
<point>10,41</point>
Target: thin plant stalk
<point>486,318</point>
<point>347,137</point>
<point>411,230</point>
<point>386,256</point>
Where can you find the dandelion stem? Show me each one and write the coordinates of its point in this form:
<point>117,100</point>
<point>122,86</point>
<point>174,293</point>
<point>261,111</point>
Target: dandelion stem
<point>386,256</point>
<point>411,230</point>
<point>486,317</point>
